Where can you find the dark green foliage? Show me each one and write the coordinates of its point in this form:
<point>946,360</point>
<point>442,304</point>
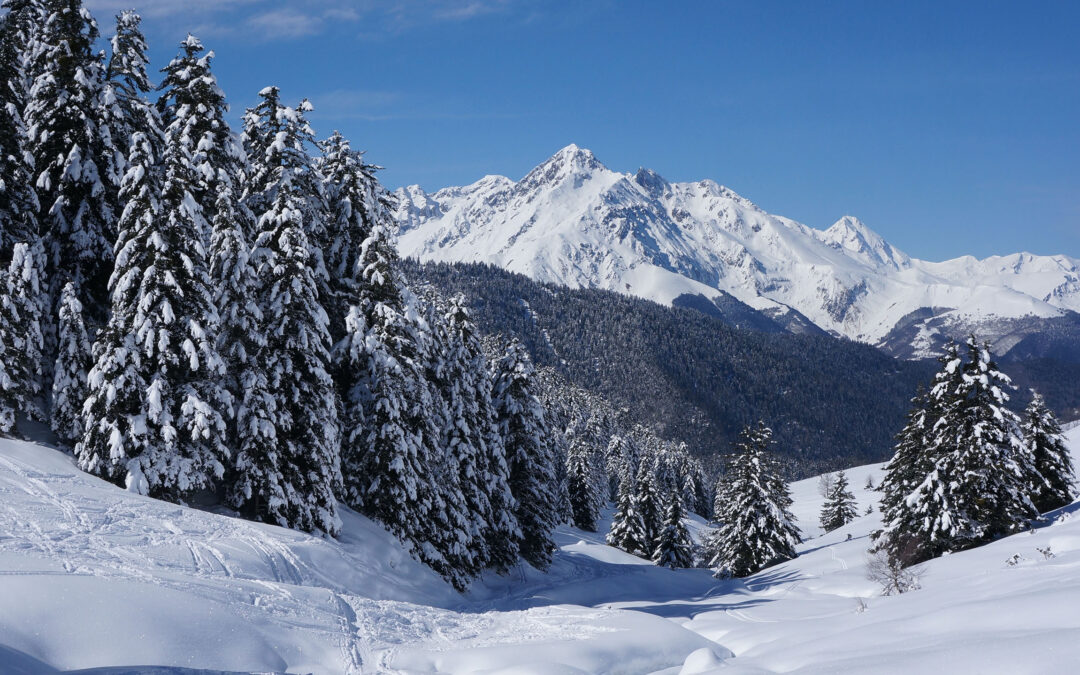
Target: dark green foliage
<point>627,527</point>
<point>1052,458</point>
<point>674,548</point>
<point>76,159</point>
<point>756,528</point>
<point>839,508</point>
<point>529,455</point>
<point>694,378</point>
<point>962,475</point>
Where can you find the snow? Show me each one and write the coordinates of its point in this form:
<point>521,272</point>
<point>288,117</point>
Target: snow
<point>574,222</point>
<point>92,576</point>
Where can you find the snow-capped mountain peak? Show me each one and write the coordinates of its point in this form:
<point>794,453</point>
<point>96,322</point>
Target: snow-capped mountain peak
<point>575,222</point>
<point>860,242</point>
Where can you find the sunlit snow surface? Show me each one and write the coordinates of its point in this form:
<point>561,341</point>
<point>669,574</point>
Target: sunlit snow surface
<point>92,577</point>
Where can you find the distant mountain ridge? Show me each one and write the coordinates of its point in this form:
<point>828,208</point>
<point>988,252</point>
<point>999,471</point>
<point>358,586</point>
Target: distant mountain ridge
<point>573,221</point>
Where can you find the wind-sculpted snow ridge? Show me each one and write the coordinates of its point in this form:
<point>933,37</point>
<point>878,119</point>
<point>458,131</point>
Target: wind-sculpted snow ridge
<point>573,221</point>
<point>95,577</point>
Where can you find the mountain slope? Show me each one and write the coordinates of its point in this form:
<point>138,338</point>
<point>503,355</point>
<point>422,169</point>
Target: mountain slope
<point>695,378</point>
<point>574,222</point>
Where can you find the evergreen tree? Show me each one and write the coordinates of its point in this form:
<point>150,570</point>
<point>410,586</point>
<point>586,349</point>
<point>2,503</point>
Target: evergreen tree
<point>356,201</point>
<point>756,530</point>
<point>993,466</point>
<point>127,84</point>
<point>18,31</point>
<point>470,438</point>
<point>396,469</point>
<point>627,527</point>
<point>650,507</point>
<point>384,458</point>
<point>453,531</point>
<point>18,201</point>
<point>839,508</point>
<point>240,336</point>
<point>585,499</point>
<point>282,175</point>
<point>1053,462</point>
<point>74,152</point>
<point>906,534</point>
<point>22,311</point>
<point>153,420</point>
<point>194,106</point>
<point>69,389</point>
<point>288,463</point>
<point>529,455</point>
<point>974,473</point>
<point>674,548</point>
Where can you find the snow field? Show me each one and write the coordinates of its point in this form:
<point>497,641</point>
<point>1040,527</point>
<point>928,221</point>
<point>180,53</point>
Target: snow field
<point>92,577</point>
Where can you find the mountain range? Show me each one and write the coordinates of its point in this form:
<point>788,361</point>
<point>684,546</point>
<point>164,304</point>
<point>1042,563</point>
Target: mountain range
<point>573,221</point>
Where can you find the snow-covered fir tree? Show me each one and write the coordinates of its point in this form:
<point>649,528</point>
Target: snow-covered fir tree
<point>75,155</point>
<point>905,535</point>
<point>356,201</point>
<point>69,390</point>
<point>470,439</point>
<point>839,508</point>
<point>756,528</point>
<point>287,463</point>
<point>975,473</point>
<point>19,24</point>
<point>1053,462</point>
<point>22,312</point>
<point>533,479</point>
<point>627,527</point>
<point>454,531</point>
<point>993,467</point>
<point>126,108</point>
<point>18,200</point>
<point>674,548</point>
<point>287,466</point>
<point>650,505</point>
<point>586,490</point>
<point>384,455</point>
<point>153,420</point>
<point>240,336</point>
<point>620,459</point>
<point>276,139</point>
<point>194,106</point>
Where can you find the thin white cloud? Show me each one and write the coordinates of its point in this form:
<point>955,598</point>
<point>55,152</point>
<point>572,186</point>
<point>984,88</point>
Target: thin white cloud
<point>290,19</point>
<point>283,24</point>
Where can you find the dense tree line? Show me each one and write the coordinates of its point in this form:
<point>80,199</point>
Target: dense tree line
<point>200,311</point>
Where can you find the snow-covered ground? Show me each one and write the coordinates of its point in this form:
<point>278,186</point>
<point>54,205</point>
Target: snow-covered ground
<point>94,577</point>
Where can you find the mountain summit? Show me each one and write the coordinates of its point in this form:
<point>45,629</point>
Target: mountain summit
<point>575,222</point>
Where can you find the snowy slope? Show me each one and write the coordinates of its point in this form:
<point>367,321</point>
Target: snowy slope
<point>91,576</point>
<point>573,221</point>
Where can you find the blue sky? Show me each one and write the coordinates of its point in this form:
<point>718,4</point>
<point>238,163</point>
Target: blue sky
<point>951,128</point>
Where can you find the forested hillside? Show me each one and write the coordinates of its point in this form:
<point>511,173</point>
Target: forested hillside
<point>830,402</point>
